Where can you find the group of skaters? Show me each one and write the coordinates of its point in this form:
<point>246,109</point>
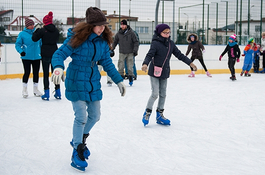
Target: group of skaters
<point>90,46</point>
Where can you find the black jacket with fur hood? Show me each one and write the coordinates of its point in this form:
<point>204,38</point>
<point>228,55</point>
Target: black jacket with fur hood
<point>195,45</point>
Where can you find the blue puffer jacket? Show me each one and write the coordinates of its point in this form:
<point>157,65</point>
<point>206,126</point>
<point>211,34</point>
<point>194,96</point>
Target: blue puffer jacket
<point>82,76</point>
<point>158,52</point>
<point>25,44</point>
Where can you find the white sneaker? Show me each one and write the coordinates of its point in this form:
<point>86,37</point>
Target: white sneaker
<point>25,92</point>
<point>36,91</point>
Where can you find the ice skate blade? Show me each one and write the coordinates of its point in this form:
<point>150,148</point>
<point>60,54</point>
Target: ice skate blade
<point>77,168</point>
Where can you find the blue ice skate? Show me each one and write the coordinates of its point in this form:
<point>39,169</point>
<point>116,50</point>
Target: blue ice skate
<point>46,95</point>
<point>57,94</point>
<point>160,119</point>
<point>130,80</point>
<point>78,159</point>
<point>86,150</point>
<point>146,116</point>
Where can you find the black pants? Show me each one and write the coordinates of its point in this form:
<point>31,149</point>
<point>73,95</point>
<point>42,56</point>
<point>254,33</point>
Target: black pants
<point>46,64</point>
<point>201,61</point>
<point>27,68</point>
<point>231,65</point>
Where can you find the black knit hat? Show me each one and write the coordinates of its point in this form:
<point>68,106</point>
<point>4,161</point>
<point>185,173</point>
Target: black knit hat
<point>124,22</point>
<point>95,16</point>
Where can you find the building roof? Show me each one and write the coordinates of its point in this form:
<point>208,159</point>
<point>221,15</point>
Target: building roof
<point>3,12</point>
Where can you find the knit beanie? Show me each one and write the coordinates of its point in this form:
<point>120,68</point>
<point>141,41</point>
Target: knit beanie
<point>161,27</point>
<point>95,16</point>
<point>28,22</point>
<point>233,37</point>
<point>48,19</point>
<point>251,40</point>
<point>124,22</point>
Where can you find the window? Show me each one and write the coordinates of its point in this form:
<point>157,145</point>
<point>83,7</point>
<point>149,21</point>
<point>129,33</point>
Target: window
<point>110,27</point>
<point>257,28</point>
<point>141,29</point>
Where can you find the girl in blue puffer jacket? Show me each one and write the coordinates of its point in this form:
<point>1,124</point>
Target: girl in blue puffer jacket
<point>30,56</point>
<point>88,43</point>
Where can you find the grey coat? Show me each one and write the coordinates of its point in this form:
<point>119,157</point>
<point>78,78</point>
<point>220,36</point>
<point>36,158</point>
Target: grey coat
<point>127,40</point>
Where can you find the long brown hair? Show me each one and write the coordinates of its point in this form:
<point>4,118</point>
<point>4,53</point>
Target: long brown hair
<point>83,30</point>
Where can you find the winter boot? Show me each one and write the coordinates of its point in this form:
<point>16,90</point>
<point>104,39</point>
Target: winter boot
<point>78,159</point>
<point>242,73</point>
<point>247,74</point>
<point>233,77</point>
<point>160,119</point>
<point>86,150</point>
<point>146,116</point>
<point>36,91</point>
<point>208,74</point>
<point>192,74</point>
<point>46,95</point>
<point>130,80</point>
<point>57,94</point>
<point>25,90</point>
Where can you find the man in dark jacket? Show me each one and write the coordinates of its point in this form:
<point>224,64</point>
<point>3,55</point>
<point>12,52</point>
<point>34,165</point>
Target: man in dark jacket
<point>128,48</point>
<point>50,36</point>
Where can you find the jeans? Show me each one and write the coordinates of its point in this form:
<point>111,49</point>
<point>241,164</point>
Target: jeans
<point>159,88</point>
<point>86,115</point>
<point>134,68</point>
<point>129,61</point>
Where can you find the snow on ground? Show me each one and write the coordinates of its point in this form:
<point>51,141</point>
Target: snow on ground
<point>217,127</point>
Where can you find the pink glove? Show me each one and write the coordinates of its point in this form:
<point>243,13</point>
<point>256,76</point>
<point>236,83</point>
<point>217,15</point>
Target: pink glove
<point>203,51</point>
<point>237,60</point>
<point>220,58</point>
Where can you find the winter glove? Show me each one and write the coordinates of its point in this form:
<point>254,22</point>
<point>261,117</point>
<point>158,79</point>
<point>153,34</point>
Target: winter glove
<point>22,54</point>
<point>193,67</point>
<point>144,67</point>
<point>112,53</point>
<point>57,75</point>
<point>203,51</point>
<point>243,55</point>
<point>237,60</point>
<point>122,88</point>
<point>135,54</point>
<point>220,58</point>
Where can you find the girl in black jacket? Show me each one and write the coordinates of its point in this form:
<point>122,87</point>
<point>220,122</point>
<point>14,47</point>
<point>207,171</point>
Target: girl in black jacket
<point>49,35</point>
<point>158,57</point>
<point>233,55</point>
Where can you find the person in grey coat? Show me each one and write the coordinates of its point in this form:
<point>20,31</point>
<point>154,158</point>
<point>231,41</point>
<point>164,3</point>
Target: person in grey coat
<point>158,59</point>
<point>128,48</point>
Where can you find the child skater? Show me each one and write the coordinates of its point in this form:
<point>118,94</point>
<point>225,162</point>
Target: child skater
<point>158,58</point>
<point>249,52</point>
<point>197,49</point>
<point>87,43</point>
<point>233,55</point>
<point>256,60</point>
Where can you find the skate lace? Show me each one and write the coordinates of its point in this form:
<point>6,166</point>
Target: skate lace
<point>162,116</point>
<point>147,115</point>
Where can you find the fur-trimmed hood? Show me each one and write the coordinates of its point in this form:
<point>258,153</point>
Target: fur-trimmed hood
<point>196,37</point>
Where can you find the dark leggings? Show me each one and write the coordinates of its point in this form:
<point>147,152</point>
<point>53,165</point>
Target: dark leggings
<point>231,65</point>
<point>201,61</point>
<point>46,63</point>
<point>36,68</point>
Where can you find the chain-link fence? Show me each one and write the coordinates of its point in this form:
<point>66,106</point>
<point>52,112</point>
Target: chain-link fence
<point>212,20</point>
